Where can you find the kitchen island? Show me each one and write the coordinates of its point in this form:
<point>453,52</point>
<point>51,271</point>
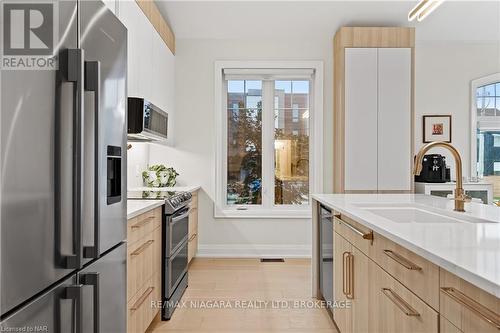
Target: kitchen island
<point>410,263</point>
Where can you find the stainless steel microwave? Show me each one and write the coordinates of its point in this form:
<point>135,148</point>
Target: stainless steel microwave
<point>146,121</point>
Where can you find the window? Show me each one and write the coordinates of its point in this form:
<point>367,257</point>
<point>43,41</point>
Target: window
<point>269,129</point>
<point>291,143</point>
<point>488,100</point>
<point>244,148</point>
<point>486,130</point>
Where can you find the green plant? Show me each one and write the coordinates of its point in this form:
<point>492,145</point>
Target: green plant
<point>159,175</point>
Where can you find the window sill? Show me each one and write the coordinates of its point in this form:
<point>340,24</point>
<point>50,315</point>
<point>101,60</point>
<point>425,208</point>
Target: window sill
<point>305,213</point>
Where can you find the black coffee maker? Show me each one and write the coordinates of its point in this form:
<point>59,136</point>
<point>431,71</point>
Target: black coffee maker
<point>434,170</point>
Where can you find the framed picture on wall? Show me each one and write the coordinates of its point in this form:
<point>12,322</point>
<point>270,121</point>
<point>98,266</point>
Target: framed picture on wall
<point>436,128</point>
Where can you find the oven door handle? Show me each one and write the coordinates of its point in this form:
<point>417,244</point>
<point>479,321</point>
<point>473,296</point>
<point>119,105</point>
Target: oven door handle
<point>178,218</point>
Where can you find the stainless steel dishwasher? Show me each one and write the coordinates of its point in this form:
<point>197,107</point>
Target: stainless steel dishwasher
<point>326,254</point>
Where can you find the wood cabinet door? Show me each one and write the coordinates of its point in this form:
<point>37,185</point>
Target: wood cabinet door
<point>394,308</point>
<point>361,300</point>
<point>342,316</point>
<point>467,307</point>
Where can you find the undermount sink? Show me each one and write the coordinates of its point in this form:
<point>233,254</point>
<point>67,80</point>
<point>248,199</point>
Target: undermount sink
<point>416,214</point>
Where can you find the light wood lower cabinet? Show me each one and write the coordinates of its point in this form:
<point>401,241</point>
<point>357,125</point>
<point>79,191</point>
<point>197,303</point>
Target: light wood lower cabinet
<point>467,307</point>
<point>140,311</point>
<point>143,270</point>
<point>378,302</point>
<point>416,273</point>
<point>193,227</point>
<point>359,264</point>
<point>394,308</point>
<point>446,327</point>
<point>391,289</point>
<point>342,317</point>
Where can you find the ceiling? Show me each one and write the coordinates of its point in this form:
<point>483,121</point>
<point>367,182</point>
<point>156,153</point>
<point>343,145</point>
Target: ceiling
<point>453,20</point>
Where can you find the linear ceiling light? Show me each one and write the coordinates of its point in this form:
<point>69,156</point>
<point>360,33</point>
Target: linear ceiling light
<point>429,9</point>
<point>423,9</point>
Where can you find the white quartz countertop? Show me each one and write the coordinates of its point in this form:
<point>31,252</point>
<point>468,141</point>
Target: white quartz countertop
<point>137,207</point>
<point>470,250</point>
<point>188,188</point>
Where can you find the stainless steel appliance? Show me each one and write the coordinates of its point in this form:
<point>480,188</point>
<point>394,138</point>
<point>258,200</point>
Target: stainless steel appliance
<point>63,199</point>
<point>146,121</point>
<point>326,255</point>
<point>434,170</point>
<point>175,228</point>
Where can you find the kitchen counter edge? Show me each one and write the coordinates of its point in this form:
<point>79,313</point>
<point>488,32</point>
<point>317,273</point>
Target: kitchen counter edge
<point>138,207</point>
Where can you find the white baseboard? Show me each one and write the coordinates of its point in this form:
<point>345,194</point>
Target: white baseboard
<point>253,251</point>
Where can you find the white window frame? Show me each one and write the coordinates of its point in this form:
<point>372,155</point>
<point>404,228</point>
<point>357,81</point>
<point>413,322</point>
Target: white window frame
<point>221,209</point>
<point>475,84</point>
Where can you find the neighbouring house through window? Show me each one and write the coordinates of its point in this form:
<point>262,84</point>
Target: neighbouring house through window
<point>486,162</point>
<point>267,142</point>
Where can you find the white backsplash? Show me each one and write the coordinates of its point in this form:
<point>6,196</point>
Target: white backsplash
<point>137,161</point>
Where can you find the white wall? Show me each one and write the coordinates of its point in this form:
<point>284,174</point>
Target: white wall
<point>444,71</point>
<point>194,151</point>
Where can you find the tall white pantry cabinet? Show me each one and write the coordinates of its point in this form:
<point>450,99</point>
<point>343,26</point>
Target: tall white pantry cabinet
<point>374,111</point>
<point>151,62</point>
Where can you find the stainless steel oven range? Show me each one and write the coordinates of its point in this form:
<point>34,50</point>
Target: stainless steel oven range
<point>175,228</point>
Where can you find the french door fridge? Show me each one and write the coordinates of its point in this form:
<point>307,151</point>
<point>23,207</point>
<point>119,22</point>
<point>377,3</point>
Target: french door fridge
<point>63,180</point>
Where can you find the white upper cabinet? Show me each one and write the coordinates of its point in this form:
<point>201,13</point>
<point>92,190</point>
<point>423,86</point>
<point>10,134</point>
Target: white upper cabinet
<point>394,119</point>
<point>361,119</point>
<point>140,49</point>
<point>151,64</point>
<point>163,85</point>
<point>378,124</point>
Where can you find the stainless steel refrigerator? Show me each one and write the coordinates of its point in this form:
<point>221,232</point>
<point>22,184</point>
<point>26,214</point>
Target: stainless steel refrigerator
<point>63,181</point>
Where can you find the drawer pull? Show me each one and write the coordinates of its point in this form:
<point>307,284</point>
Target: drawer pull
<point>142,248</point>
<point>367,235</point>
<point>141,299</point>
<point>402,261</point>
<point>479,309</point>
<point>142,223</point>
<point>348,275</point>
<point>400,303</point>
<point>193,236</point>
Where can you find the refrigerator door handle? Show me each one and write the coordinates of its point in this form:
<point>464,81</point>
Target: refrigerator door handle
<point>92,83</point>
<point>71,68</point>
<point>75,293</point>
<point>92,279</point>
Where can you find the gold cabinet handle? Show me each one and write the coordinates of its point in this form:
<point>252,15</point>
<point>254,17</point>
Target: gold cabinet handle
<point>142,223</point>
<point>350,263</point>
<point>402,260</point>
<point>479,309</point>
<point>141,299</point>
<point>400,303</point>
<point>344,272</point>
<point>348,275</point>
<point>193,236</point>
<point>364,235</point>
<point>142,248</point>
